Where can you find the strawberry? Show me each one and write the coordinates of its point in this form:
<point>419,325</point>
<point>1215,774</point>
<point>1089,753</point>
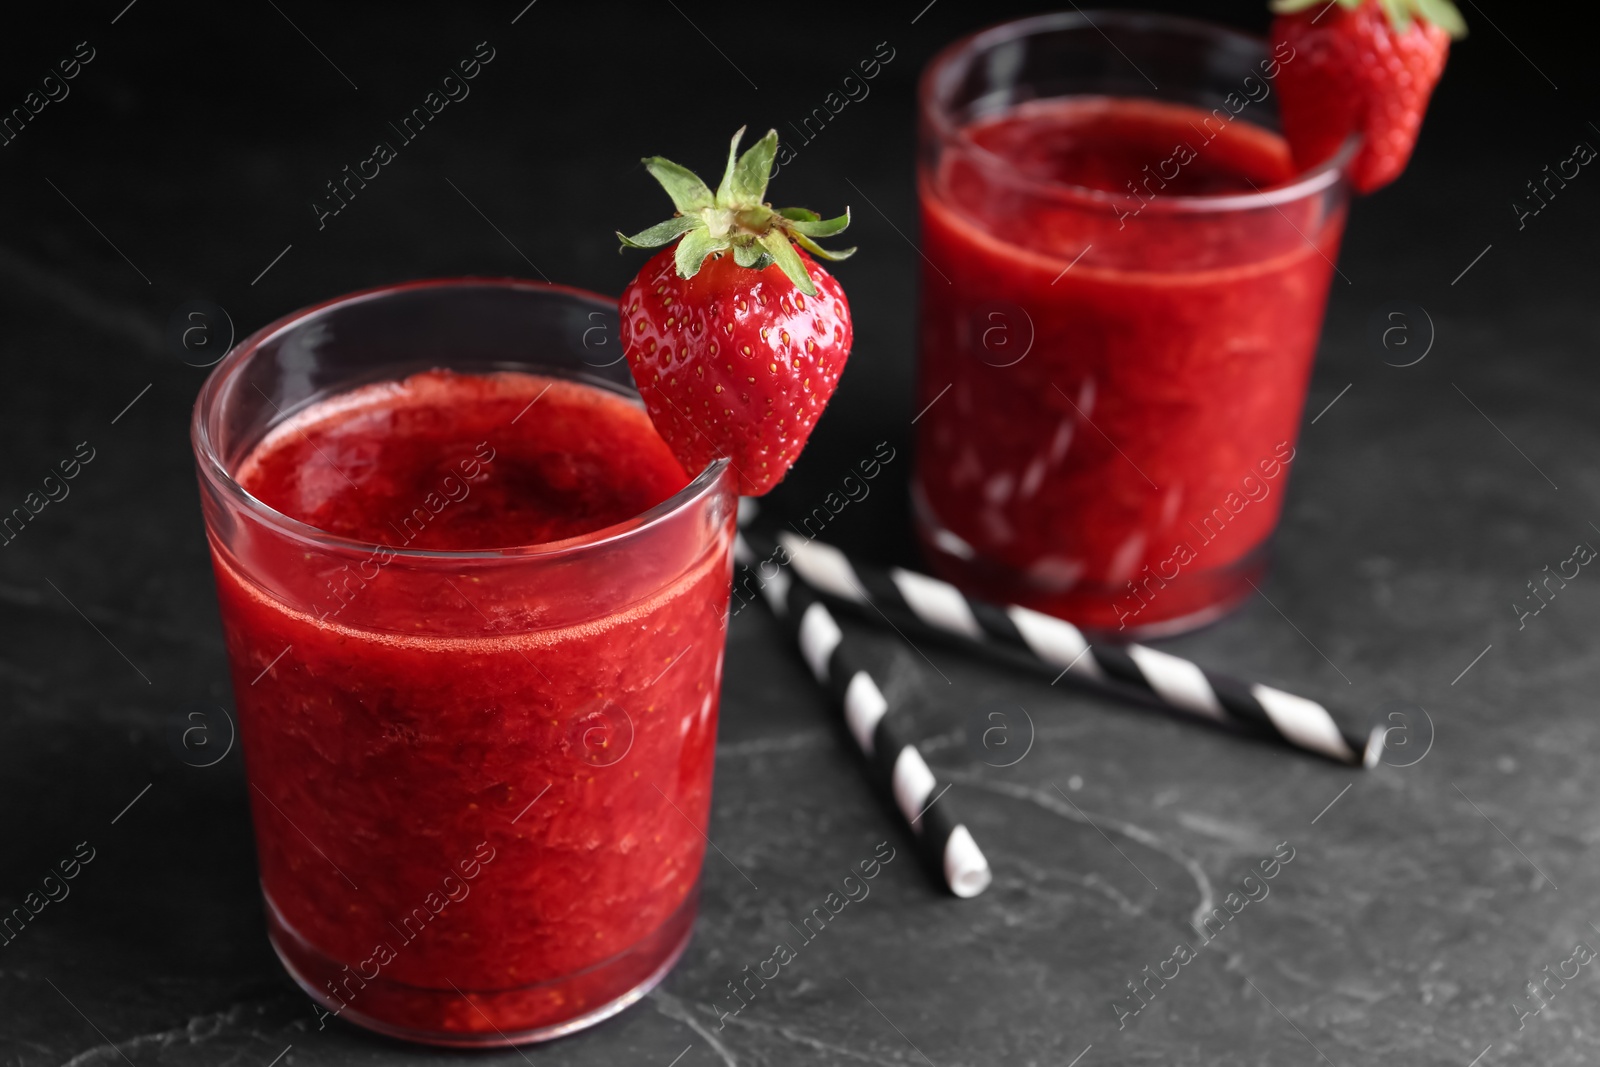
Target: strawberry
<point>735,338</point>
<point>1364,66</point>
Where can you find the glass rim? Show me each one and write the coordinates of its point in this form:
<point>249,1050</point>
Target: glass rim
<point>216,474</point>
<point>1304,184</point>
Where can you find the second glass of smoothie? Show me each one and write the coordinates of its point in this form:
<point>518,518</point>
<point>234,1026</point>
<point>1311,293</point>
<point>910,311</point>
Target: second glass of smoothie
<point>1123,287</point>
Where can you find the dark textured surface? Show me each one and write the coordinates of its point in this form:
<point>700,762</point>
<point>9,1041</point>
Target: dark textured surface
<point>1416,907</point>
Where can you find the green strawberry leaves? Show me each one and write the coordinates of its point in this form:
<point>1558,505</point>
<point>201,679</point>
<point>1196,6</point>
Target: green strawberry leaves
<point>776,242</point>
<point>1443,14</point>
<point>822,253</point>
<point>821,227</point>
<point>688,192</point>
<point>692,251</point>
<point>748,177</point>
<point>662,233</point>
<point>751,256</point>
<point>736,217</point>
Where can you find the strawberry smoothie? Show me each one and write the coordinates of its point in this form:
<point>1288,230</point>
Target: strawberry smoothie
<point>480,780</point>
<point>1124,317</point>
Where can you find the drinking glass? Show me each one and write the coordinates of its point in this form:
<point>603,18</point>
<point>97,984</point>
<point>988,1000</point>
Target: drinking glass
<point>479,780</point>
<point>1111,382</point>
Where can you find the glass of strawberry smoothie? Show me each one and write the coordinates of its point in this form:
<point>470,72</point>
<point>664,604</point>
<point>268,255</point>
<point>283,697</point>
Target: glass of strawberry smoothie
<point>1123,284</point>
<point>475,612</point>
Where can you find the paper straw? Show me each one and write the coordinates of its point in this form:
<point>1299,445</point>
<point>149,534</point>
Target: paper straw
<point>895,761</point>
<point>931,606</point>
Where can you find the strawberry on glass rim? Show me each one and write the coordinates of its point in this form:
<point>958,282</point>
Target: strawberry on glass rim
<point>1361,66</point>
<point>735,337</point>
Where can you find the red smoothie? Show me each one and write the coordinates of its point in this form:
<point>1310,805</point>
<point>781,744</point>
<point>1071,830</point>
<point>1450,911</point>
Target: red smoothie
<point>498,830</point>
<point>1125,328</point>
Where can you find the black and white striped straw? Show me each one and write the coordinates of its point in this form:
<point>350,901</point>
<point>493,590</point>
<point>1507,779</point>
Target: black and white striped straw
<point>931,606</point>
<point>947,843</point>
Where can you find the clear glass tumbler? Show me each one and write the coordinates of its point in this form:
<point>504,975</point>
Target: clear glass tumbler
<point>1123,285</point>
<point>479,799</point>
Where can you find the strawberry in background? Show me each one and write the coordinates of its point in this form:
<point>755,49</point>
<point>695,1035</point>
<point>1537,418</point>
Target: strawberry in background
<point>735,337</point>
<point>1366,66</point>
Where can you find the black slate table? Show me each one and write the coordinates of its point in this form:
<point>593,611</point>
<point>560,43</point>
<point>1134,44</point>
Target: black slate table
<point>1422,897</point>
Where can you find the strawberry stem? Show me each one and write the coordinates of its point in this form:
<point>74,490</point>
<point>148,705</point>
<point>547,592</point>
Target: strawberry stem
<point>737,218</point>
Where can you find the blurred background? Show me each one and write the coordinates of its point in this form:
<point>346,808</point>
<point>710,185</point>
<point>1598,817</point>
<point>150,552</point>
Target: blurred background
<point>196,143</point>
